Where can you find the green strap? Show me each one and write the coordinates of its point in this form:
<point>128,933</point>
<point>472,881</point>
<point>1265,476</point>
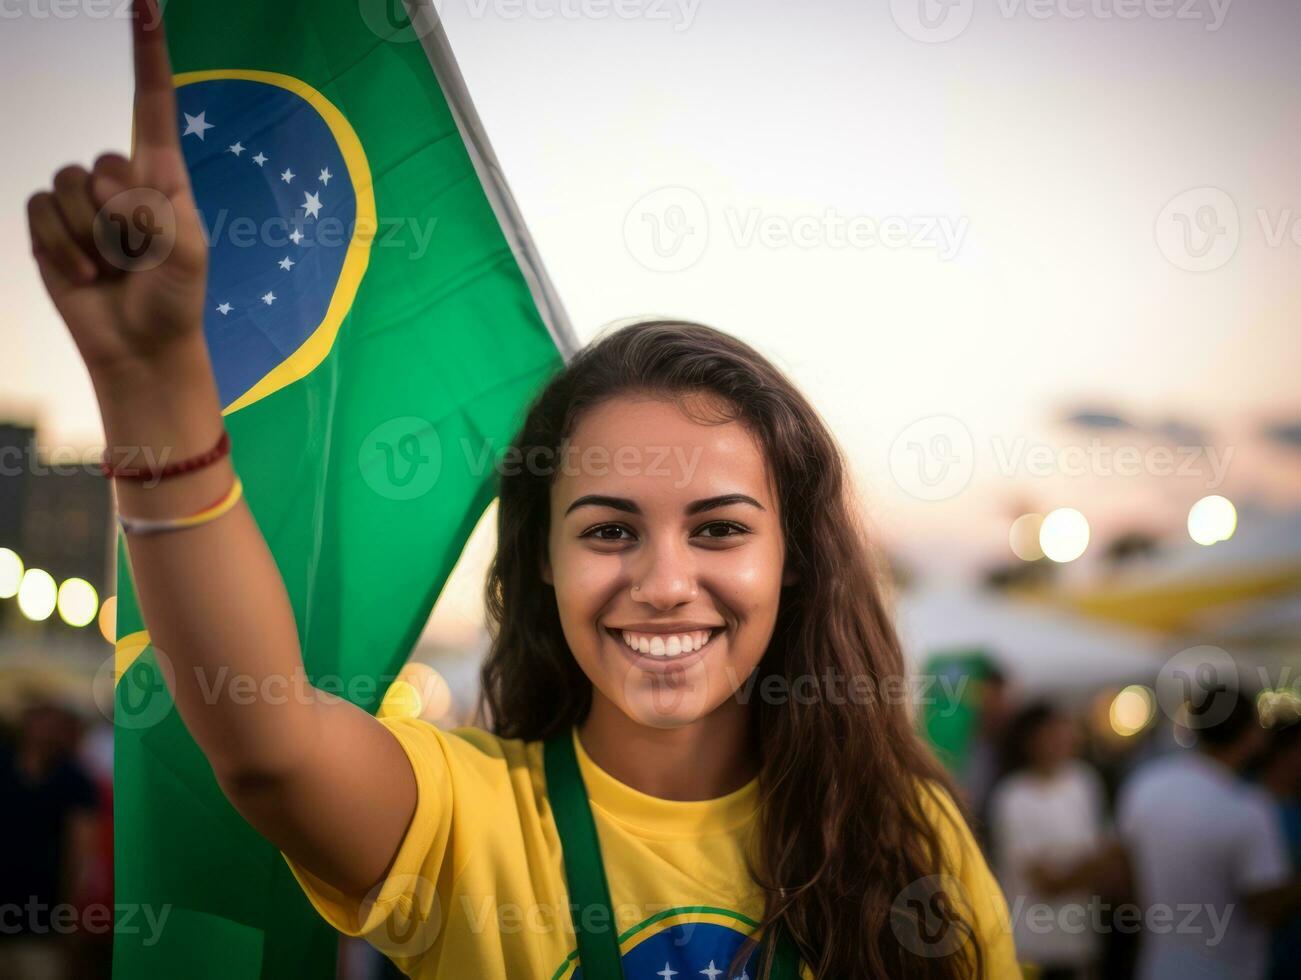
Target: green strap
<point>589,891</point>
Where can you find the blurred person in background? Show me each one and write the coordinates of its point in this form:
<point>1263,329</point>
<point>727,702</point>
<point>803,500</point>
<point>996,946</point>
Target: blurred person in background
<point>1209,860</point>
<point>47,829</point>
<point>92,953</point>
<point>1280,775</point>
<point>1046,824</point>
<point>984,759</point>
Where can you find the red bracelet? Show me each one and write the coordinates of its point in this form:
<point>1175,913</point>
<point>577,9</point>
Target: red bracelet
<point>171,469</point>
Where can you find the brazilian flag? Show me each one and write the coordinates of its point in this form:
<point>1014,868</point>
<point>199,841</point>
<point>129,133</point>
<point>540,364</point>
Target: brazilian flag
<point>377,323</point>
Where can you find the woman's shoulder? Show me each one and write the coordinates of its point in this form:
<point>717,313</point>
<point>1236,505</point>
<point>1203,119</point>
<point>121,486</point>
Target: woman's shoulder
<point>466,747</point>
<point>977,891</point>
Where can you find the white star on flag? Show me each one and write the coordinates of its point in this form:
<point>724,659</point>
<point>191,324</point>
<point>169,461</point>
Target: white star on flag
<point>286,263</point>
<point>711,971</point>
<point>296,236</point>
<point>269,298</point>
<point>667,972</point>
<point>325,176</point>
<point>312,205</point>
<point>197,125</point>
<point>288,175</point>
<point>224,308</point>
<point>259,159</point>
<point>237,148</point>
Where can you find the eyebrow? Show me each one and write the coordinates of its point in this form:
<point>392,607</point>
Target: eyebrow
<point>695,507</point>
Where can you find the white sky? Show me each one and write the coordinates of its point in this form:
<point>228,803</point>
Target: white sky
<point>1048,146</point>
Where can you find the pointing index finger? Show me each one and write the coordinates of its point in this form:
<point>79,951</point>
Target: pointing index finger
<point>155,97</point>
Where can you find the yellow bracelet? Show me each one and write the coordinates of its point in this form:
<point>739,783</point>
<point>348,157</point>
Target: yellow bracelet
<point>146,525</point>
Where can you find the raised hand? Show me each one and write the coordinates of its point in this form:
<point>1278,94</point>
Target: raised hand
<point>120,247</point>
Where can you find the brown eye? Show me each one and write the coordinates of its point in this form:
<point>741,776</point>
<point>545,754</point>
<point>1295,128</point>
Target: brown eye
<point>734,530</point>
<point>597,533</point>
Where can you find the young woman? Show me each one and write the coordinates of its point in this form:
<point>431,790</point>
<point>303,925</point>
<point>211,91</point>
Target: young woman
<point>694,737</point>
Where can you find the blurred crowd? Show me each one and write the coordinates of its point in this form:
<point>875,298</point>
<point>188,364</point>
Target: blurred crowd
<point>1175,859</point>
<point>56,859</point>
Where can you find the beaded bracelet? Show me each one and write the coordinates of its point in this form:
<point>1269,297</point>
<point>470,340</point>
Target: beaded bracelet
<point>148,525</point>
<point>171,469</point>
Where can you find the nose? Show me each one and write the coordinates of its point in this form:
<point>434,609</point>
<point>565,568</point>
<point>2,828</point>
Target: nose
<point>666,577</point>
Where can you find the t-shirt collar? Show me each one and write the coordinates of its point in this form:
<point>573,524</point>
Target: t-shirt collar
<point>657,817</point>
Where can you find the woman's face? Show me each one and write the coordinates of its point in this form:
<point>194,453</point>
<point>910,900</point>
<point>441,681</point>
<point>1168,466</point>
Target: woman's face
<point>664,533</point>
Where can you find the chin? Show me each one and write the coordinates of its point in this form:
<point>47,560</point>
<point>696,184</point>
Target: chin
<point>667,702</point>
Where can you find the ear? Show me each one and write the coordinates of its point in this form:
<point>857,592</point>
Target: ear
<point>545,571</point>
<point>789,577</point>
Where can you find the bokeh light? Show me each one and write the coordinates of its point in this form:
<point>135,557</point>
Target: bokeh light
<point>108,619</point>
<point>1064,534</point>
<point>1212,519</point>
<point>77,601</point>
<point>11,573</point>
<point>37,594</point>
<point>1132,710</point>
<point>1024,537</point>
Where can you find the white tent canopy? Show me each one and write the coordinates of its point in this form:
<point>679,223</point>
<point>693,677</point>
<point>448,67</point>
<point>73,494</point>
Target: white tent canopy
<point>1040,647</point>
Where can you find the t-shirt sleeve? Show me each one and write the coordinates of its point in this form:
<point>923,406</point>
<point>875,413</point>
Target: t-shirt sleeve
<point>980,896</point>
<point>1263,859</point>
<point>458,771</point>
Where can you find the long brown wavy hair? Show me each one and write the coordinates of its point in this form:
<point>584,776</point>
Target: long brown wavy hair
<point>843,829</point>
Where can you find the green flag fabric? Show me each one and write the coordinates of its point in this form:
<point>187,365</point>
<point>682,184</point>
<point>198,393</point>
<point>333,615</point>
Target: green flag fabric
<point>377,322</point>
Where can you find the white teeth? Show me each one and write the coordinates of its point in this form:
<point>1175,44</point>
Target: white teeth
<point>666,646</point>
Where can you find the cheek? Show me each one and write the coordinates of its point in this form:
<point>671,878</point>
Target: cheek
<point>749,581</point>
<point>583,582</point>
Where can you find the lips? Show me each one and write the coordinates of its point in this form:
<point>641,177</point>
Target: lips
<point>663,662</point>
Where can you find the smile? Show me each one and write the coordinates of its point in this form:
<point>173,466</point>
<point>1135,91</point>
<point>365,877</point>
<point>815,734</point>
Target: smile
<point>652,650</point>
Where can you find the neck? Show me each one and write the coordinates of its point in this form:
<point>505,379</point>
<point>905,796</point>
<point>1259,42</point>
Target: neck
<point>702,760</point>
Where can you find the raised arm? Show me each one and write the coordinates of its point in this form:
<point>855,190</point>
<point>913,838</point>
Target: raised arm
<point>319,777</point>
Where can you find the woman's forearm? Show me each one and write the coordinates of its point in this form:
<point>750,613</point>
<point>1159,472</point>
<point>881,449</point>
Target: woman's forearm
<point>212,597</point>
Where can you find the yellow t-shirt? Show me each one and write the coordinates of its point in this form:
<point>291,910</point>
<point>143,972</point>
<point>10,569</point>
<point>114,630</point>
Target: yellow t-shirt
<point>477,889</point>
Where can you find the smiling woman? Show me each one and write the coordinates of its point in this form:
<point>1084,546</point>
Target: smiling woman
<point>709,541</point>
